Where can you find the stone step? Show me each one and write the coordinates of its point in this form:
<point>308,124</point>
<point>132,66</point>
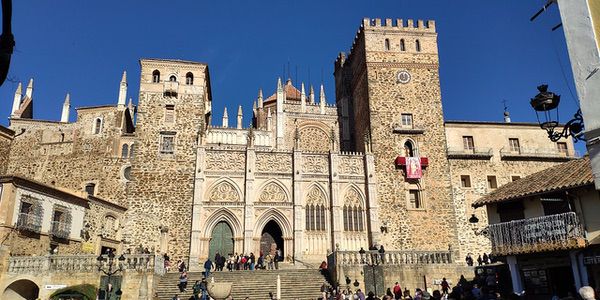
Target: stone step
<point>295,283</point>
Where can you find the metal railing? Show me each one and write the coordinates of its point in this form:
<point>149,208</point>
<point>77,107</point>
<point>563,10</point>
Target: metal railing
<point>60,230</point>
<point>29,222</point>
<point>537,152</point>
<point>554,232</point>
<point>80,263</point>
<point>473,151</point>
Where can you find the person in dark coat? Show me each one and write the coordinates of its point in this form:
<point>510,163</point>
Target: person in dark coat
<point>207,267</point>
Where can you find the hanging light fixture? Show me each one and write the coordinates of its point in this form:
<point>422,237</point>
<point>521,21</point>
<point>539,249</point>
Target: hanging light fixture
<point>545,103</point>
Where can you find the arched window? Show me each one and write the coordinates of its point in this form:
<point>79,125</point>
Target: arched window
<point>131,152</point>
<point>127,173</point>
<point>415,196</point>
<point>315,210</point>
<point>402,46</point>
<point>189,78</point>
<point>409,149</point>
<point>98,126</point>
<point>172,78</point>
<point>156,76</point>
<point>125,151</point>
<point>387,44</point>
<point>418,45</point>
<point>352,211</point>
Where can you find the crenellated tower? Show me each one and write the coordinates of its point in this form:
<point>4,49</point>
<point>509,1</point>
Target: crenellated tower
<point>389,102</point>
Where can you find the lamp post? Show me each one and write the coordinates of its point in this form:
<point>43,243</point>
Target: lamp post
<point>111,270</point>
<point>546,103</point>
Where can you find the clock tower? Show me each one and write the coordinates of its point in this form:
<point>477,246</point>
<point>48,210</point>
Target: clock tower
<point>389,103</point>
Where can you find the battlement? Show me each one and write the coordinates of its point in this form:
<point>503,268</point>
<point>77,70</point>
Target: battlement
<point>400,24</point>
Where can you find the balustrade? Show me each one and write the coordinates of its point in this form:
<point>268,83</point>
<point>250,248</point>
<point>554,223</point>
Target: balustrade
<point>391,257</point>
<point>81,263</point>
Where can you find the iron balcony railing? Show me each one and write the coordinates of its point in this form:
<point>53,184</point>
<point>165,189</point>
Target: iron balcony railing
<point>547,233</point>
<point>29,222</point>
<point>537,152</point>
<point>471,152</point>
<point>60,230</point>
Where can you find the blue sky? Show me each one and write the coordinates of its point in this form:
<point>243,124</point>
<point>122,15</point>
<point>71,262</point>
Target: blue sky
<point>489,51</point>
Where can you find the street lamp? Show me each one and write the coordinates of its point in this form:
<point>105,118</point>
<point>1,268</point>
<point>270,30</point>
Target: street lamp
<point>546,103</point>
<point>111,270</point>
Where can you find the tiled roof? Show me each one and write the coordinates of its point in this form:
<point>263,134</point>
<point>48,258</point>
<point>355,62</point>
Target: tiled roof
<point>291,92</point>
<point>568,175</point>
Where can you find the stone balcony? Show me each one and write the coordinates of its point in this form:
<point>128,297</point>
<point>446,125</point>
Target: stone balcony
<point>537,153</point>
<point>474,153</point>
<point>540,234</point>
<point>80,264</point>
<point>171,88</point>
<point>343,258</point>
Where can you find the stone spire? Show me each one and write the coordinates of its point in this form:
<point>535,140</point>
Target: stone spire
<point>123,90</point>
<point>17,99</point>
<point>225,118</point>
<point>311,95</point>
<point>260,98</point>
<point>64,117</point>
<point>322,99</point>
<point>29,91</point>
<point>239,117</point>
<point>302,99</point>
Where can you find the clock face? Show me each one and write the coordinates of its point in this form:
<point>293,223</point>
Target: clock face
<point>403,77</point>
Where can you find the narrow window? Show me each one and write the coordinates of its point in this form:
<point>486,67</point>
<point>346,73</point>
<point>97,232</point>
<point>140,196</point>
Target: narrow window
<point>90,189</point>
<point>387,44</point>
<point>355,219</point>
<point>345,218</point>
<point>307,217</point>
<point>323,217</point>
<point>131,152</point>
<point>169,113</point>
<point>98,126</point>
<point>156,76</point>
<point>409,150</point>
<point>465,181</point>
<point>125,151</point>
<point>173,78</point>
<point>189,78</point>
<point>514,145</point>
<point>402,46</point>
<point>127,173</point>
<point>415,201</point>
<point>360,219</point>
<point>562,148</point>
<point>515,177</point>
<point>318,218</point>
<point>407,120</point>
<point>492,183</point>
<point>468,143</point>
<point>418,45</point>
<point>166,144</point>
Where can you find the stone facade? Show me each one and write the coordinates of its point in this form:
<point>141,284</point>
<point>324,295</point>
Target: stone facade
<point>6,137</point>
<point>307,176</point>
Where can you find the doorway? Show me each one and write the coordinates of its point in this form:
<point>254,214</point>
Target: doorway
<point>221,240</point>
<point>271,239</point>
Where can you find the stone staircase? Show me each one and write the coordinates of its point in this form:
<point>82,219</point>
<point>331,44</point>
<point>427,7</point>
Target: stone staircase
<point>300,284</point>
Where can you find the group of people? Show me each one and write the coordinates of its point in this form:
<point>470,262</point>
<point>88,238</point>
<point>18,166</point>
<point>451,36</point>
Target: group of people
<point>244,262</point>
<point>481,260</point>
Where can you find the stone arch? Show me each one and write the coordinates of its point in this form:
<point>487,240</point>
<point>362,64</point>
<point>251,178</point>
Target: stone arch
<point>316,191</point>
<point>355,195</point>
<point>409,146</point>
<point>223,190</point>
<point>314,137</point>
<point>223,215</point>
<point>21,289</point>
<point>279,218</point>
<point>273,191</point>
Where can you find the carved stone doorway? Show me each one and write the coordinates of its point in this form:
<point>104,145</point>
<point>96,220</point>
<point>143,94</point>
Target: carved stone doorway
<point>271,239</point>
<point>221,240</point>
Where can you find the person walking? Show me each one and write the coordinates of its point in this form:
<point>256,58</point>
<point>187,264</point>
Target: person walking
<point>277,258</point>
<point>207,267</point>
<point>269,260</point>
<point>183,280</point>
<point>382,254</point>
<point>445,286</point>
<point>252,261</point>
<point>397,291</point>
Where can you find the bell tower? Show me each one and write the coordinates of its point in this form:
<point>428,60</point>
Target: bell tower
<point>389,102</point>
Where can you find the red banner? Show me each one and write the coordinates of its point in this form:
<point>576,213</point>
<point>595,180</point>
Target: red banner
<point>413,167</point>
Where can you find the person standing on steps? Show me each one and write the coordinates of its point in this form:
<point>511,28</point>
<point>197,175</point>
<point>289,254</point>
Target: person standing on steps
<point>207,267</point>
<point>269,260</point>
<point>278,258</point>
<point>183,280</point>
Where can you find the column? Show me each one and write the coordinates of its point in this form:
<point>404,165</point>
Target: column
<point>575,269</point>
<point>196,247</point>
<point>249,194</point>
<point>335,202</point>
<point>298,205</point>
<point>515,274</point>
<point>372,209</point>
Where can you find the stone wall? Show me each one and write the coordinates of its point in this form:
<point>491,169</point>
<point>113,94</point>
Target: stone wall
<point>6,137</point>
